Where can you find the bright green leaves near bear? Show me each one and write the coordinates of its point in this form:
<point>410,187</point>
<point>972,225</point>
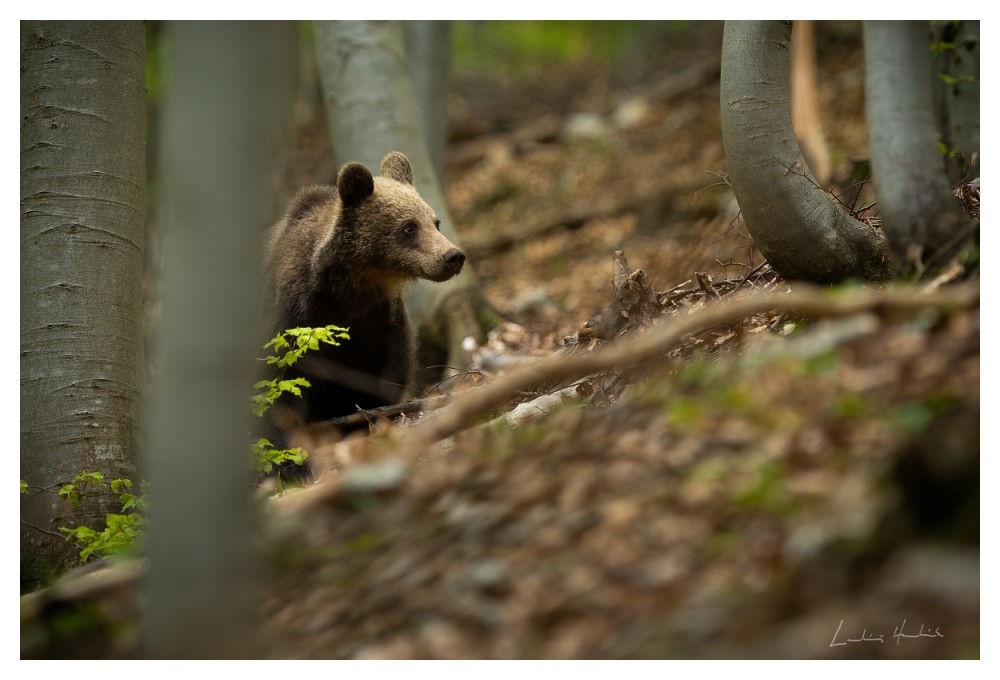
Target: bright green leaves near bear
<point>286,348</point>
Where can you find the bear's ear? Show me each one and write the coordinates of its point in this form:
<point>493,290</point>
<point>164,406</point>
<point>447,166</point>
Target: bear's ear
<point>355,183</point>
<point>397,166</point>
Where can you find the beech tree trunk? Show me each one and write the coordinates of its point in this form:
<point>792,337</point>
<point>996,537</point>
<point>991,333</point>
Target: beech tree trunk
<point>428,44</point>
<point>226,95</point>
<point>83,122</point>
<point>923,220</point>
<point>372,106</point>
<point>801,232</point>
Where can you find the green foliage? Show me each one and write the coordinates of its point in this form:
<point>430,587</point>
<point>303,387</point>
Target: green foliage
<point>286,348</point>
<point>24,487</point>
<point>265,457</point>
<point>120,530</point>
<point>519,47</point>
<point>79,486</point>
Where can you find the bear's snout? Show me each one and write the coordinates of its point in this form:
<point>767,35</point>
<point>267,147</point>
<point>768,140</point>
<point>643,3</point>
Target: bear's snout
<point>455,258</point>
<point>451,264</point>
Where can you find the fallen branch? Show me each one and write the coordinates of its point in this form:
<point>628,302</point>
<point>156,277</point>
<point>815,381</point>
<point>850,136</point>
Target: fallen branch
<point>804,299</point>
<point>417,441</point>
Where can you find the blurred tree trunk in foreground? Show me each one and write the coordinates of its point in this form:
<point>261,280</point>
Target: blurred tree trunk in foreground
<point>83,127</point>
<point>923,221</point>
<point>791,218</point>
<point>372,108</point>
<point>226,95</point>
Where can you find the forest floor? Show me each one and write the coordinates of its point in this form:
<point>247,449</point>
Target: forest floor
<point>775,486</point>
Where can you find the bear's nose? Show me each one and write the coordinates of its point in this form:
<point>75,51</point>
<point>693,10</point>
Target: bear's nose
<point>454,258</point>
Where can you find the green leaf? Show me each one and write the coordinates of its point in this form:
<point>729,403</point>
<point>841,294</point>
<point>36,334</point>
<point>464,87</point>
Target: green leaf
<point>120,485</point>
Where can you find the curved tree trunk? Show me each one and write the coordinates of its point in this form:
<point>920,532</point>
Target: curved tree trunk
<point>793,221</point>
<point>83,122</point>
<point>226,98</point>
<point>923,220</point>
<point>372,107</point>
<point>429,49</point>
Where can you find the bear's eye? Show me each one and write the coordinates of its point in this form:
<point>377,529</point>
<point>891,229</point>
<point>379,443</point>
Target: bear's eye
<point>409,228</point>
<point>437,223</point>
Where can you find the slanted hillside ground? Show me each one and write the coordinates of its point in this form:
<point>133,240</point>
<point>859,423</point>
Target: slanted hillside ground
<point>779,486</point>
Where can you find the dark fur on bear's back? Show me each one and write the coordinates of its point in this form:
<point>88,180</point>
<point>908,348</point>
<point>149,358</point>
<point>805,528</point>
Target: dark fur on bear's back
<point>341,256</point>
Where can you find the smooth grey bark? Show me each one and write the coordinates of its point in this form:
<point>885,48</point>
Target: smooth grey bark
<point>372,108</point>
<point>797,227</point>
<point>225,97</point>
<point>922,219</point>
<point>428,44</point>
<point>83,122</point>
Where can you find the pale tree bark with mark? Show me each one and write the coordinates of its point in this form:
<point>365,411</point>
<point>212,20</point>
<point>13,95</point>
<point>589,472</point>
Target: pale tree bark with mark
<point>806,119</point>
<point>83,142</point>
<point>793,221</point>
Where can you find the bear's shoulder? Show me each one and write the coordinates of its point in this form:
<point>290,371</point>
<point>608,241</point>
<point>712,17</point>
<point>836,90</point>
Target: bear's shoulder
<point>318,198</point>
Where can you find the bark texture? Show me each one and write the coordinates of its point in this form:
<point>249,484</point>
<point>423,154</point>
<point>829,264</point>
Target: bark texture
<point>372,107</point>
<point>923,221</point>
<point>803,234</point>
<point>82,214</point>
<point>226,95</point>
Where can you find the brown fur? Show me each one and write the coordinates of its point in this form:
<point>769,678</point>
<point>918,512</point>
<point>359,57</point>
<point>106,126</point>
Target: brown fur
<point>342,255</point>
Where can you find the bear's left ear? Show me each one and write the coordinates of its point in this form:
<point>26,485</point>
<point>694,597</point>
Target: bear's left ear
<point>397,166</point>
<point>355,183</point>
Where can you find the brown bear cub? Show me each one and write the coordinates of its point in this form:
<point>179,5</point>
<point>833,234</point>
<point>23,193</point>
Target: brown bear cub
<point>341,256</point>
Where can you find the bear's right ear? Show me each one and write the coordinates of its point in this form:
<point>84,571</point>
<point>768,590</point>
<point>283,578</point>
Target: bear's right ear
<point>355,183</point>
<point>397,166</point>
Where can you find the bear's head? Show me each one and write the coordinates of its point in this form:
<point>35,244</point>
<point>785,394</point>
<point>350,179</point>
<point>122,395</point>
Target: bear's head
<point>394,234</point>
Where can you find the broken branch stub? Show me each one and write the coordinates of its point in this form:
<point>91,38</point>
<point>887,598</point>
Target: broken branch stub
<point>633,304</point>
